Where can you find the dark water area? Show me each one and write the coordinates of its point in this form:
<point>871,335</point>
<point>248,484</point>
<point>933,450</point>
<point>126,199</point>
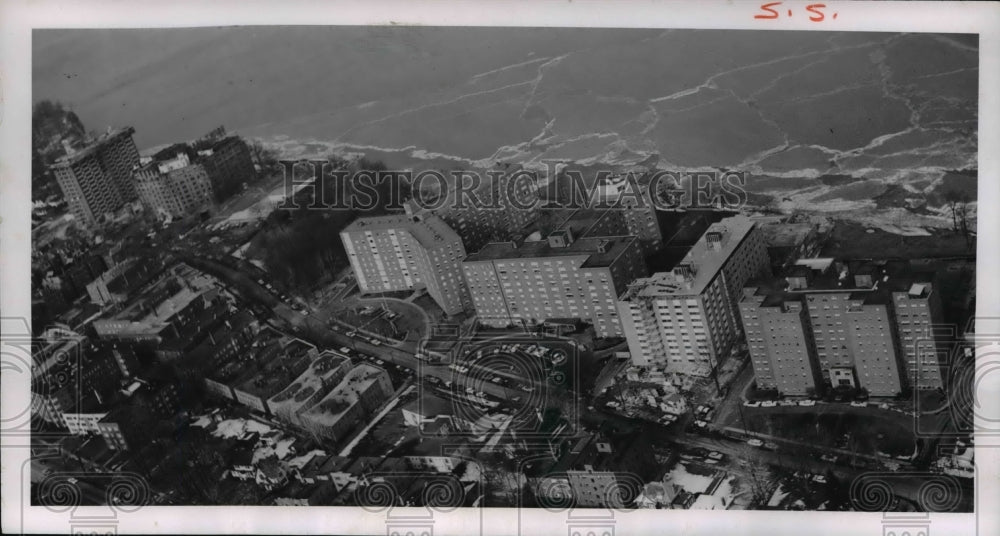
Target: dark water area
<point>774,104</point>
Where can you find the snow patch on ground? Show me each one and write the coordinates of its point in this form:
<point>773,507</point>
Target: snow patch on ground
<point>690,482</point>
<point>779,495</point>
<point>233,428</point>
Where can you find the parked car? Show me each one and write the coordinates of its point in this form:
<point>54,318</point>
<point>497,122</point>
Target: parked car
<point>375,342</point>
<point>768,404</point>
<point>753,404</point>
<point>819,478</point>
<point>807,403</point>
<point>755,443</point>
<point>859,404</point>
<point>716,455</point>
<point>828,458</point>
<point>770,446</point>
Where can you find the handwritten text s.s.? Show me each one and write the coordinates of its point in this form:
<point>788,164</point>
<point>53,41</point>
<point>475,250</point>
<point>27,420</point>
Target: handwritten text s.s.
<point>772,10</point>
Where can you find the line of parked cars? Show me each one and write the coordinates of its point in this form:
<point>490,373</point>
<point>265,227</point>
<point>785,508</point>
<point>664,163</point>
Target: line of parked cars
<point>776,403</point>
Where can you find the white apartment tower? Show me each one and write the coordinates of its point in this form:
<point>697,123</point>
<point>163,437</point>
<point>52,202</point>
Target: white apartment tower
<point>408,252</point>
<point>685,320</point>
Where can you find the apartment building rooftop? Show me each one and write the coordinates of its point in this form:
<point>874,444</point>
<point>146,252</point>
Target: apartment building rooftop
<point>599,251</point>
<point>312,381</point>
<point>274,366</point>
<point>581,222</point>
<point>870,282</point>
<point>428,229</point>
<point>345,395</point>
<point>699,267</point>
<point>266,346</point>
<point>165,297</point>
<point>103,139</point>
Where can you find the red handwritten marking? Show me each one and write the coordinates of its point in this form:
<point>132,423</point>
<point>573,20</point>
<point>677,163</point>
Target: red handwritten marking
<point>816,10</point>
<point>768,11</point>
<point>772,14</point>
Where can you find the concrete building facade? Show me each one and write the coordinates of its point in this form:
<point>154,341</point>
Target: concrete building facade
<point>780,343</point>
<point>175,187</point>
<point>98,179</point>
<point>685,320</point>
<point>401,252</point>
<point>917,311</point>
<point>867,327</point>
<point>558,278</point>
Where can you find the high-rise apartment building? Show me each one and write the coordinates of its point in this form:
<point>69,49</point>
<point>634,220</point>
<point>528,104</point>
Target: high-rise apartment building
<point>625,197</point>
<point>779,339</point>
<point>562,277</point>
<point>97,180</point>
<point>406,252</point>
<point>489,212</point>
<point>685,320</point>
<point>228,164</point>
<point>868,327</point>
<point>175,186</point>
<point>918,310</point>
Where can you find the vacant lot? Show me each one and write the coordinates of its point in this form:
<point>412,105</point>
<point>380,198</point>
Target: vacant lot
<point>851,240</point>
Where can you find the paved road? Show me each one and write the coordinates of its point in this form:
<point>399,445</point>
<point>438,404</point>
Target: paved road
<point>315,328</point>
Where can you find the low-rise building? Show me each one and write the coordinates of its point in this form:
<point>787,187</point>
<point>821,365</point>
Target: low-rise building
<point>356,397</point>
<point>118,283</point>
<point>597,465</point>
<point>429,409</point>
<point>324,374</point>
<point>252,377</point>
<point>141,404</point>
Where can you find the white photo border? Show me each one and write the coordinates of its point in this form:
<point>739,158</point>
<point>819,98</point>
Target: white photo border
<point>19,17</point>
